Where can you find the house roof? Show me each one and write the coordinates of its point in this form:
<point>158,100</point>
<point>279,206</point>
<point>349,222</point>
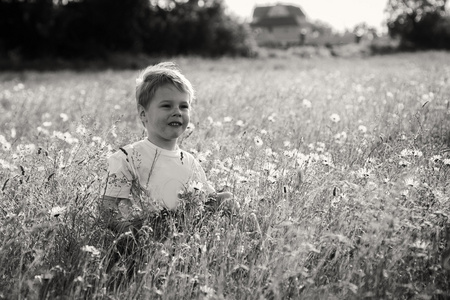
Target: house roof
<point>276,21</point>
<point>278,15</point>
<point>262,11</point>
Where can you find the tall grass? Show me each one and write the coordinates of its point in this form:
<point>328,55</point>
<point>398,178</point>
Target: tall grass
<point>341,168</point>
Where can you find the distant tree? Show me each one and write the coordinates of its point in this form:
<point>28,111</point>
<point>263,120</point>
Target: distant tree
<point>196,27</point>
<point>321,28</point>
<point>25,26</point>
<point>419,23</point>
<point>363,29</point>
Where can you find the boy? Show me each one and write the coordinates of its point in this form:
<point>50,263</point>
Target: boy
<point>154,167</point>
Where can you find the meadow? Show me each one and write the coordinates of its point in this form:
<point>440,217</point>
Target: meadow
<point>341,168</point>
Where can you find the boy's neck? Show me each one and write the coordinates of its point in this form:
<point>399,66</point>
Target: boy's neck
<point>167,145</point>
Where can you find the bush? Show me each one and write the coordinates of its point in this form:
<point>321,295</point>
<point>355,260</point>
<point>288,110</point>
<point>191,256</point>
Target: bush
<point>419,24</point>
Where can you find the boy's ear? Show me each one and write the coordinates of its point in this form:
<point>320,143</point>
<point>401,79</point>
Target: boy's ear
<point>141,111</point>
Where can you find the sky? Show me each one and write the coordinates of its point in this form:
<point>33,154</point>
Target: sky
<point>340,14</point>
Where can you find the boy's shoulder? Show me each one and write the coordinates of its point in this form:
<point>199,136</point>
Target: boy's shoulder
<point>144,147</point>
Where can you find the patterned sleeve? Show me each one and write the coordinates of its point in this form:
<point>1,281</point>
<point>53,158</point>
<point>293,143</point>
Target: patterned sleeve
<point>199,175</point>
<point>119,179</point>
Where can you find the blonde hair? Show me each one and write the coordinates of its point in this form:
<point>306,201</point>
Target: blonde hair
<point>154,77</point>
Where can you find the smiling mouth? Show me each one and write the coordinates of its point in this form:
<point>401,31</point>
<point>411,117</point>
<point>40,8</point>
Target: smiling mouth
<point>175,124</point>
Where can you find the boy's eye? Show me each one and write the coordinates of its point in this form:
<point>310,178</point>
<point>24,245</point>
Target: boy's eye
<point>184,106</point>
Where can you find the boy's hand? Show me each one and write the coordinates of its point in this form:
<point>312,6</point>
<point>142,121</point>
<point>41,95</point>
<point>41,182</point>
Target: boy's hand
<point>226,201</point>
<point>119,227</point>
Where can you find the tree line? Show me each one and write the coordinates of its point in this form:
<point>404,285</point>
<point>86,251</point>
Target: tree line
<point>94,28</point>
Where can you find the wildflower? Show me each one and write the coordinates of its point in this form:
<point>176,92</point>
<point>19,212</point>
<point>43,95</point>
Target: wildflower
<point>422,245</point>
<point>81,130</point>
<point>406,152</point>
<point>302,159</point>
<point>227,162</point>
<point>209,292</point>
<point>57,210</point>
<point>290,153</point>
<point>417,153</point>
<point>6,146</point>
<point>335,118</point>
<point>306,103</point>
<point>409,181</point>
<point>372,160</point>
<point>269,152</point>
<point>287,143</point>
<point>64,117</point>
<point>389,95</point>
<point>117,107</point>
<point>269,167</point>
<point>91,249</point>
<point>263,131</point>
<point>7,94</point>
<point>43,130</point>
<point>190,126</point>
<point>436,158</point>
<point>26,149</point>
<point>45,276</point>
<point>6,165</point>
<point>428,97</point>
<point>18,87</point>
<point>271,179</point>
<point>13,132</point>
<point>446,161</point>
<point>271,118</point>
<point>203,156</point>
<point>364,173</point>
<point>404,163</point>
<point>240,123</point>
<point>66,136</point>
<point>227,119</point>
<point>340,137</point>
<point>113,131</point>
<point>362,128</point>
<point>326,160</point>
<point>195,186</point>
<point>258,141</point>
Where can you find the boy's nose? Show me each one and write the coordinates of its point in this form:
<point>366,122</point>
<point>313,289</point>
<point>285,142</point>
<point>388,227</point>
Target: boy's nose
<point>176,112</point>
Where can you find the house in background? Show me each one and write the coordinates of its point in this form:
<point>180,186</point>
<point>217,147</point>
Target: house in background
<point>280,25</point>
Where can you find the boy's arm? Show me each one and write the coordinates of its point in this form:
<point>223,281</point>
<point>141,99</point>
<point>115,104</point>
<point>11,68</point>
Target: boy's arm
<point>111,215</point>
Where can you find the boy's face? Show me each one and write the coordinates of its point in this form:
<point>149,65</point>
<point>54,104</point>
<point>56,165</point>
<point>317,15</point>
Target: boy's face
<point>167,116</point>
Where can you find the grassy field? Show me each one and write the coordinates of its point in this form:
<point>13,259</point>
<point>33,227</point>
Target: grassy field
<point>341,167</point>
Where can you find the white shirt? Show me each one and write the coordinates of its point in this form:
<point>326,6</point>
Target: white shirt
<point>159,173</point>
